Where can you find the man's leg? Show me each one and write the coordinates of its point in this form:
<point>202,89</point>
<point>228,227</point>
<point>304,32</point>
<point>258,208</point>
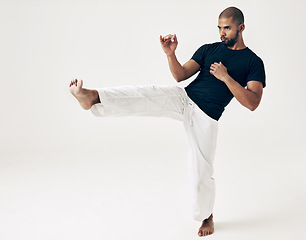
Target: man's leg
<point>202,135</point>
<point>147,100</point>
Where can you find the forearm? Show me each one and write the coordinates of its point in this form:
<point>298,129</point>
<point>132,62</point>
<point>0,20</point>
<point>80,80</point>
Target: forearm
<point>246,97</point>
<point>176,68</point>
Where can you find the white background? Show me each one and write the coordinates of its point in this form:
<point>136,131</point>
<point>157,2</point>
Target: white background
<point>65,174</point>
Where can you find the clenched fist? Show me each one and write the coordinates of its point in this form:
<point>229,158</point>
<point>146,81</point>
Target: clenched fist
<point>218,70</point>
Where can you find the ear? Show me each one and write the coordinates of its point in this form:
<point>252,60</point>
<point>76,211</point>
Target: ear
<point>241,27</point>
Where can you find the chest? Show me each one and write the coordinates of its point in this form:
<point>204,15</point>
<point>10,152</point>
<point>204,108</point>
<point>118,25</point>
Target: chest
<point>237,65</point>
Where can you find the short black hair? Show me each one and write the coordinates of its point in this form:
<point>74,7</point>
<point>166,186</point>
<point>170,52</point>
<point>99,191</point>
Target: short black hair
<point>233,12</point>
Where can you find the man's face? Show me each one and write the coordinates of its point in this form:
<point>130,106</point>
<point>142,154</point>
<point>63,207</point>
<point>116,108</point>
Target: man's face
<point>228,31</point>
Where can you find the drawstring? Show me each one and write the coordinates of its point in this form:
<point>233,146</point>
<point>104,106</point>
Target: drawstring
<point>188,109</point>
<point>190,112</point>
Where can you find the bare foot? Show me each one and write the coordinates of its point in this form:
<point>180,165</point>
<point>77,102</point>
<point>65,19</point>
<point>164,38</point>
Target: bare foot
<point>207,227</point>
<point>86,97</point>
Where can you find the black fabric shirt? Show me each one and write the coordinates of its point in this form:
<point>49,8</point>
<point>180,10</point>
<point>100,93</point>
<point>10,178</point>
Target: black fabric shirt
<point>211,94</point>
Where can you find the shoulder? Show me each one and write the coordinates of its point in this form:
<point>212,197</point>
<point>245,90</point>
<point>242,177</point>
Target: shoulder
<point>208,48</point>
<point>211,45</point>
<point>256,69</point>
<point>254,58</point>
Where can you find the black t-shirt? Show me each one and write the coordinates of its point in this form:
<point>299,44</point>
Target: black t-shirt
<point>211,94</point>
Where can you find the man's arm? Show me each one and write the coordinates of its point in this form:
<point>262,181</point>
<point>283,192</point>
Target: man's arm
<point>179,72</point>
<point>249,97</point>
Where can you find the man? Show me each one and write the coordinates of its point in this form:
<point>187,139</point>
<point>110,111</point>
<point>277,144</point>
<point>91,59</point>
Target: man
<point>227,69</point>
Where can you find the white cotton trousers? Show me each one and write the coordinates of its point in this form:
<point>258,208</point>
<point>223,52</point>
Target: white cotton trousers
<point>172,102</point>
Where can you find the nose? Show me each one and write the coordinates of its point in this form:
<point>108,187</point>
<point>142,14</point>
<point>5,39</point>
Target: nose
<point>222,33</point>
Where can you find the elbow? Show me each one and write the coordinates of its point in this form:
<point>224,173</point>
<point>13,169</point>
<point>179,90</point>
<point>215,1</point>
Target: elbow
<point>254,103</point>
<point>180,78</point>
<point>177,79</point>
<point>253,107</point>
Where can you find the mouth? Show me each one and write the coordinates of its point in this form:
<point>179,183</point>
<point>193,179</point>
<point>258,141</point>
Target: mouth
<point>223,39</point>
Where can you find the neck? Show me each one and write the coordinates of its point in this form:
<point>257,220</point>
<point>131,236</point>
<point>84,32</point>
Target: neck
<point>238,45</point>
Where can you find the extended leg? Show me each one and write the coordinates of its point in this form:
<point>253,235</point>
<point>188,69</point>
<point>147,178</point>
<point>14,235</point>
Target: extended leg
<point>145,100</point>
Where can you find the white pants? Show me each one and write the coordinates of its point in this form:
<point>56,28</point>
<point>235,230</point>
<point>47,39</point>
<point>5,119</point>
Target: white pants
<point>173,102</point>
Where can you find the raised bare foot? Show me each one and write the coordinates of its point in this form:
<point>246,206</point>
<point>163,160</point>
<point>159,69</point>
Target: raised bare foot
<point>85,97</point>
<point>207,227</point>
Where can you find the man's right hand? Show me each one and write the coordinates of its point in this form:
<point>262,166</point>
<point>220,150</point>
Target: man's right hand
<point>169,43</point>
<point>179,72</point>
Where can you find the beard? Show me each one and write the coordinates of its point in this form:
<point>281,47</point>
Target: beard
<point>229,42</point>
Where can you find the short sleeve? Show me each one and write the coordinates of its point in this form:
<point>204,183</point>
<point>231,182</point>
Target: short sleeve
<point>257,71</point>
<point>199,55</point>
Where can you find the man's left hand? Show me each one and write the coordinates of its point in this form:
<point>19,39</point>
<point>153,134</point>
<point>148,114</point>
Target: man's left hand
<point>219,71</point>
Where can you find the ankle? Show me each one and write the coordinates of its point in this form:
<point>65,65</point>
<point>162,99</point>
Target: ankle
<point>210,218</point>
<point>96,98</point>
